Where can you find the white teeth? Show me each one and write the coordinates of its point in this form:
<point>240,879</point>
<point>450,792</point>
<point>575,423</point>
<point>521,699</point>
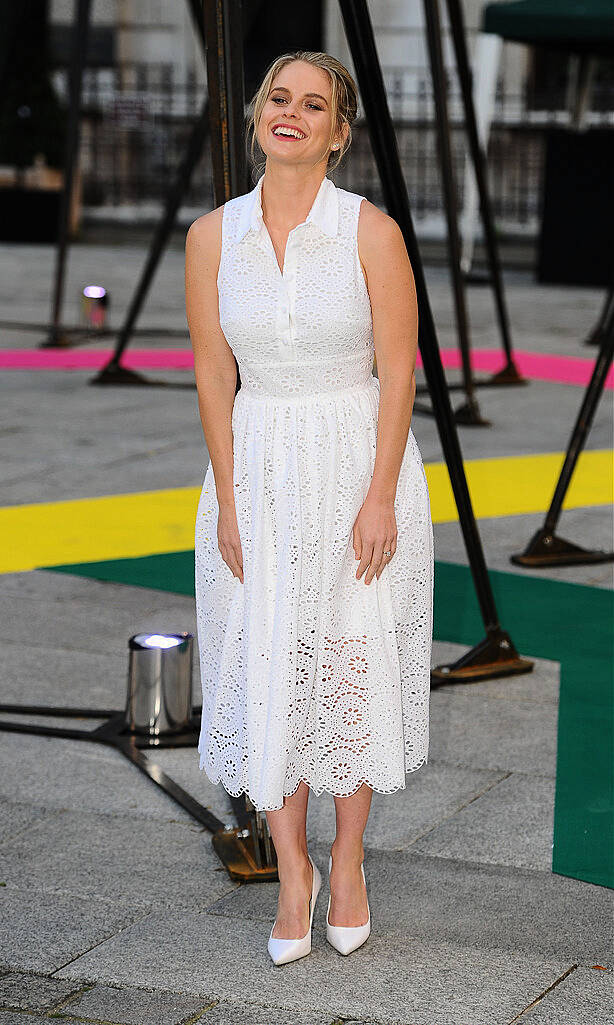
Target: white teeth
<point>288,131</point>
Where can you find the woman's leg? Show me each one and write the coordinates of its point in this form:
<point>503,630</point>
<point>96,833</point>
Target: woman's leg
<point>348,905</point>
<point>288,827</point>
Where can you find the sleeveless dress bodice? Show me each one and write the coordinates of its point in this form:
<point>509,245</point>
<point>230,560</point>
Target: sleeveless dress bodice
<point>308,329</point>
<point>308,673</point>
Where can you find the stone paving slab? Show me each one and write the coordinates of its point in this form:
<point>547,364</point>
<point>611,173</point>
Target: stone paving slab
<point>82,776</point>
<point>57,773</point>
<point>432,794</point>
<point>112,858</point>
<point>57,676</point>
<point>106,629</point>
<point>19,992</point>
<point>223,1013</point>
<point>43,932</point>
<point>400,980</point>
<point>227,1012</point>
<point>584,997</point>
<point>182,764</point>
<point>45,586</point>
<point>559,314</point>
<point>510,824</point>
<point>16,818</point>
<point>135,1006</point>
<point>481,732</point>
<point>22,1018</point>
<point>536,418</point>
<point>106,442</point>
<point>467,904</point>
<point>74,1001</point>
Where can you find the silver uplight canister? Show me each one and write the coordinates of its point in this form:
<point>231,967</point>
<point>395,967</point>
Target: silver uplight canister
<point>159,699</point>
<point>94,307</point>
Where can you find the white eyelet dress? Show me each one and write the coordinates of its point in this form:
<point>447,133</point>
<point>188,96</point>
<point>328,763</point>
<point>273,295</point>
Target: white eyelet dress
<point>308,673</point>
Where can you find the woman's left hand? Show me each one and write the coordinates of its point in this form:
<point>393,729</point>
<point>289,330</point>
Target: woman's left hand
<point>374,532</point>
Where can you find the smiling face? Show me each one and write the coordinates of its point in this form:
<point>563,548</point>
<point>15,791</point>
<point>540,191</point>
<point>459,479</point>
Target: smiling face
<point>295,123</point>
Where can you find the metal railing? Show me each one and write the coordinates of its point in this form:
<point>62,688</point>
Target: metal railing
<point>136,120</point>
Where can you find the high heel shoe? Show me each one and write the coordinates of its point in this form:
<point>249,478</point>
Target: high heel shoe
<point>282,950</point>
<point>346,938</point>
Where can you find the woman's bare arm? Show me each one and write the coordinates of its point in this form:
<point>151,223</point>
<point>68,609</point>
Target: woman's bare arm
<point>214,362</point>
<point>394,306</point>
<point>216,373</point>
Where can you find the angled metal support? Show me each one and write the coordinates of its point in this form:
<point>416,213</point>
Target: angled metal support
<point>221,118</point>
<point>114,372</point>
<point>545,548</point>
<point>469,413</point>
<point>496,656</point>
<point>57,337</point>
<point>509,374</point>
<point>245,850</point>
<point>597,334</point>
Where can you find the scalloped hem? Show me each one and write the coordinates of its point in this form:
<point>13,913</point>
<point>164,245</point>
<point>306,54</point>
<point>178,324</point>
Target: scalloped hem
<point>317,793</point>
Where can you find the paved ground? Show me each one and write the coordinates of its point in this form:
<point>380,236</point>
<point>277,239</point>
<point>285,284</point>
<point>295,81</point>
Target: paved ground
<point>115,907</point>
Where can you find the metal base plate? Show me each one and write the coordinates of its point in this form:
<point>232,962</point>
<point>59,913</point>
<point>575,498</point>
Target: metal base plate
<point>235,849</point>
<point>493,657</point>
<point>546,549</point>
<point>469,415</point>
<point>508,375</point>
<point>115,373</point>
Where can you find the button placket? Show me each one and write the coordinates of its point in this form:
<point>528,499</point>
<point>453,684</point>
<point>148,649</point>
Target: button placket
<point>290,280</point>
<point>283,314</point>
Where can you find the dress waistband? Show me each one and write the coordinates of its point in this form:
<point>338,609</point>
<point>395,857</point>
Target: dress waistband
<point>301,380</point>
<point>368,387</point>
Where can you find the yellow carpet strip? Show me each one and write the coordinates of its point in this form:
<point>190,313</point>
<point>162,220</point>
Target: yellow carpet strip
<point>153,522</point>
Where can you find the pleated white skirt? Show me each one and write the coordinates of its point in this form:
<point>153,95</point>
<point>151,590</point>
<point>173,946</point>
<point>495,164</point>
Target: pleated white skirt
<point>307,673</point>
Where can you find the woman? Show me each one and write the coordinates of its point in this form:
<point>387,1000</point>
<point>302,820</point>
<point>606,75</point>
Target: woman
<point>314,549</point>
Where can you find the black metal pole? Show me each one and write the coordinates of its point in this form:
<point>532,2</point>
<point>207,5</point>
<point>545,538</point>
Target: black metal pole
<point>596,335</point>
<point>359,32</point>
<point>469,413</point>
<point>77,62</point>
<point>582,425</point>
<point>114,372</point>
<point>509,374</point>
<point>222,114</point>
<point>224,34</point>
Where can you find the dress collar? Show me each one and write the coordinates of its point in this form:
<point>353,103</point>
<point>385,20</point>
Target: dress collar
<point>324,212</point>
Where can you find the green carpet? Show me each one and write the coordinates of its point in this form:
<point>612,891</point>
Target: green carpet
<point>567,623</point>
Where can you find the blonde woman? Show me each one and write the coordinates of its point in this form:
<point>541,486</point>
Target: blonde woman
<point>314,547</point>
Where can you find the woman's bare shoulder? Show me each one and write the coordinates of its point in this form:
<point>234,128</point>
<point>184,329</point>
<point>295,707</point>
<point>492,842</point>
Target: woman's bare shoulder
<point>203,243</point>
<point>377,228</point>
<point>380,241</point>
<point>207,227</point>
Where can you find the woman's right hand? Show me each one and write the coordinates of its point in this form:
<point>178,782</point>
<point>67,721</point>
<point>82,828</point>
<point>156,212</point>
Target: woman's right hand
<point>229,541</point>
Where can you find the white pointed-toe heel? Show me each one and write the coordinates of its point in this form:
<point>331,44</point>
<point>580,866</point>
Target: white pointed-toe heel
<point>346,938</point>
<point>282,950</point>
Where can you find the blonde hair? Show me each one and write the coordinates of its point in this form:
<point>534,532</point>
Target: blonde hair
<point>344,102</point>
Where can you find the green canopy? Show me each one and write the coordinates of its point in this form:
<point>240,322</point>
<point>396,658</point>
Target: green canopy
<point>576,25</point>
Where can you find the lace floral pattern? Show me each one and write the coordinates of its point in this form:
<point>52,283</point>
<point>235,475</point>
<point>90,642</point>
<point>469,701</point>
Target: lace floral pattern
<point>307,673</point>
